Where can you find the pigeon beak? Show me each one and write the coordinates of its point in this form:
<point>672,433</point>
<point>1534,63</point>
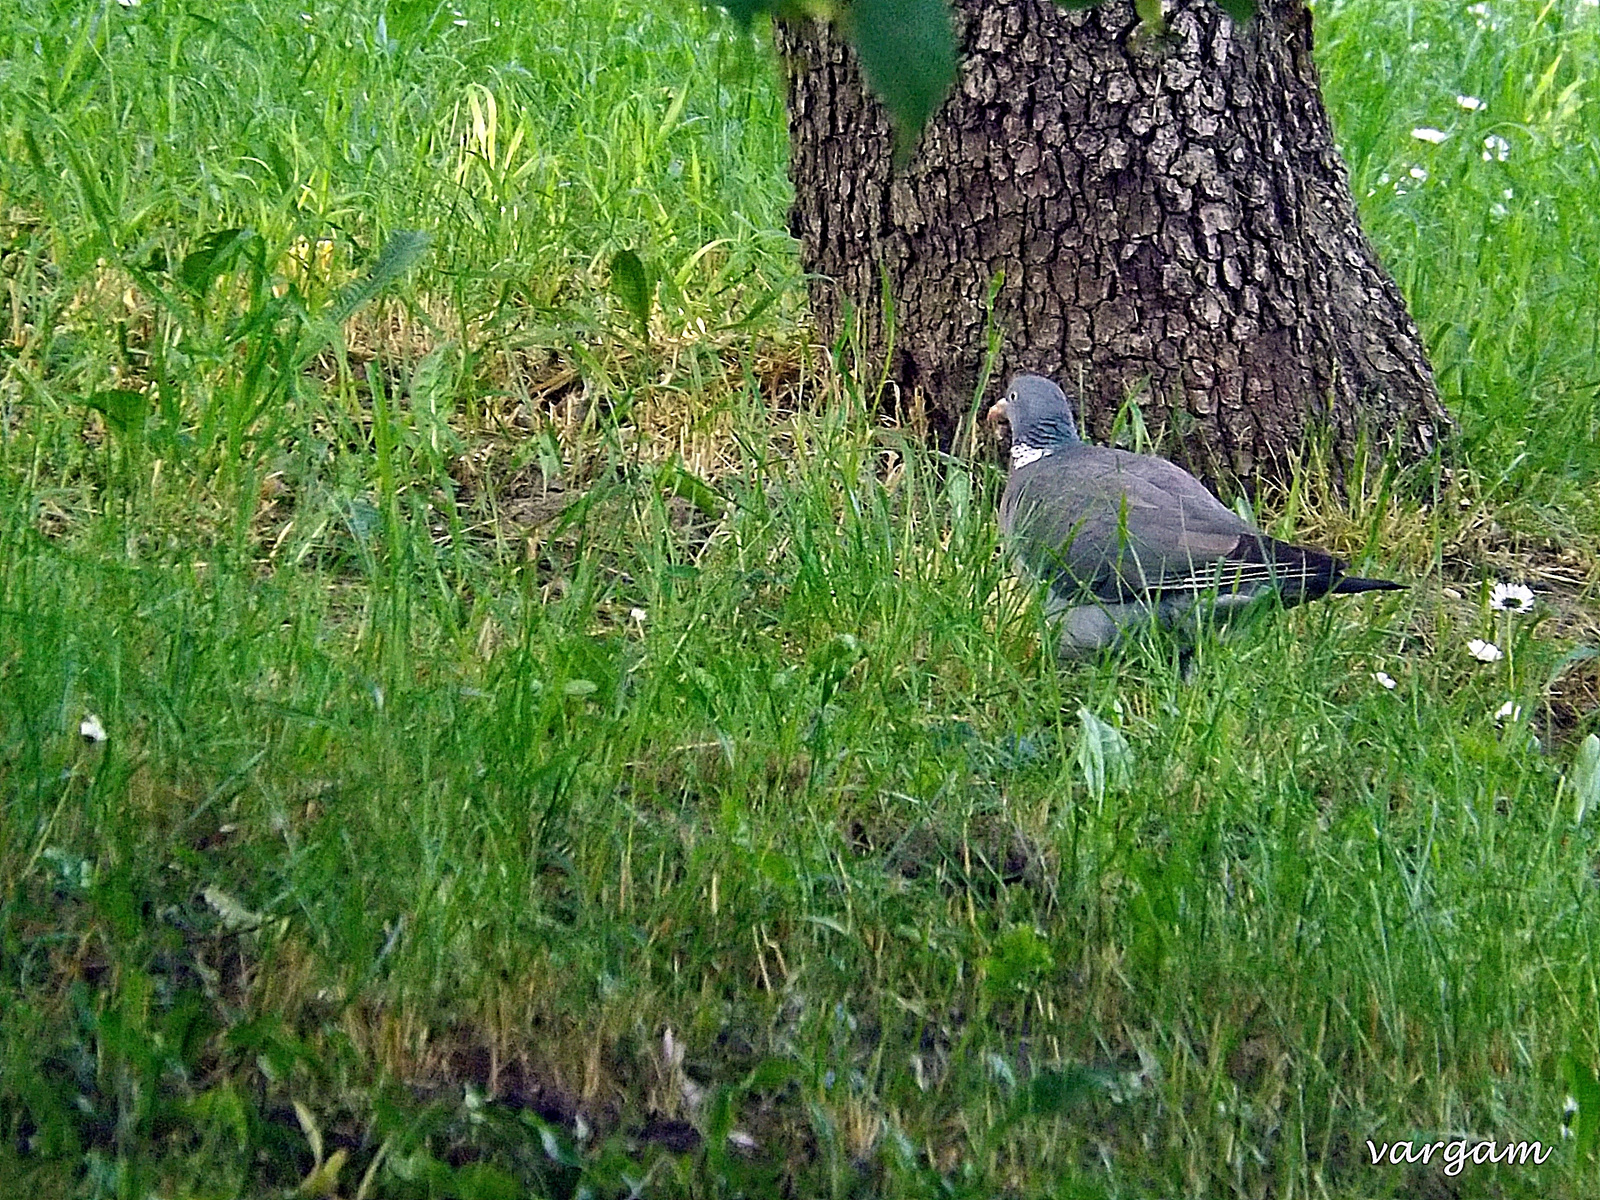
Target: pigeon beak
<point>998,412</point>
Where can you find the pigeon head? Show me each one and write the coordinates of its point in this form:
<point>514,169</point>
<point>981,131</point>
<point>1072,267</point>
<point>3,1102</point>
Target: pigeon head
<point>1039,415</point>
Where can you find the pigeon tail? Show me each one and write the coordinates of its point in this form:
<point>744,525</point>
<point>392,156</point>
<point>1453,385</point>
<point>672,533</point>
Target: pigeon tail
<point>1296,573</point>
<point>1352,584</point>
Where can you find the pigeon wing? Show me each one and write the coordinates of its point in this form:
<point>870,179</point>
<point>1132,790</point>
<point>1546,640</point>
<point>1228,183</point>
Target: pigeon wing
<point>1119,525</point>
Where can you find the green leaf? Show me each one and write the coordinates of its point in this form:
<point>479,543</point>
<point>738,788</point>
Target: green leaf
<point>422,1168</point>
<point>433,395</point>
<point>631,284</point>
<point>484,1181</point>
<point>558,1148</point>
<point>1020,962</point>
<point>1054,1093</point>
<point>770,1074</point>
<point>235,916</point>
<point>313,1132</point>
<point>1584,1087</point>
<point>223,1111</point>
<point>400,253</point>
<point>282,172</point>
<point>324,1178</point>
<point>125,410</point>
<point>1077,4</point>
<point>1585,779</point>
<point>1240,10</point>
<point>673,478</point>
<point>745,11</point>
<point>1150,15</point>
<point>1103,756</point>
<point>776,869</point>
<point>216,253</point>
<point>719,1122</point>
<point>1057,1093</point>
<point>908,52</point>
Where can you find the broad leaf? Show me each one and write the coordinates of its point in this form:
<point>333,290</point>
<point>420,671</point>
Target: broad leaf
<point>125,410</point>
<point>214,255</point>
<point>631,284</point>
<point>908,52</point>
<point>400,253</point>
<point>1240,10</point>
<point>1104,758</point>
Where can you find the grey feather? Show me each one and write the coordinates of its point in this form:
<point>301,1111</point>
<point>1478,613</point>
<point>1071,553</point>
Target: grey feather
<point>1093,515</point>
<point>1124,539</point>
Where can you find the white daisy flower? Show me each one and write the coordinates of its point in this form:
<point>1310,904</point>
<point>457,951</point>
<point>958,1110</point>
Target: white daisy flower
<point>1496,148</point>
<point>1511,597</point>
<point>1418,173</point>
<point>639,615</point>
<point>1509,711</point>
<point>1385,680</point>
<point>1484,651</point>
<point>91,730</point>
<point>1470,103</point>
<point>1426,133</point>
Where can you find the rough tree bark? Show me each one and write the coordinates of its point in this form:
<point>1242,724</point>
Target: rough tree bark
<point>1170,213</point>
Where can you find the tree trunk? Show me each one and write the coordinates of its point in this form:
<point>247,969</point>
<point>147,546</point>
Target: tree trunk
<point>1170,214</point>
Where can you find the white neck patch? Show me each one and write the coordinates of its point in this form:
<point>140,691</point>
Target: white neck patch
<point>1022,456</point>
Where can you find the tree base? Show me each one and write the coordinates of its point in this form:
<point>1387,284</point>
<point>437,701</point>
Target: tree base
<point>1162,218</point>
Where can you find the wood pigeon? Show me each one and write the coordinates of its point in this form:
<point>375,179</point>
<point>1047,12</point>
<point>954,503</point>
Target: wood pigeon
<point>1124,538</point>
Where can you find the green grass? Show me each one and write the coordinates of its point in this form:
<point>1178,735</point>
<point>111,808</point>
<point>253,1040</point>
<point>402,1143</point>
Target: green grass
<point>1498,249</point>
<point>537,751</point>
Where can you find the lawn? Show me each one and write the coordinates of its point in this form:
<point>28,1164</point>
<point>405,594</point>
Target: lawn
<point>457,740</point>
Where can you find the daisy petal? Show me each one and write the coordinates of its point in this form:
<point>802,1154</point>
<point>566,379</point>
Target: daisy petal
<point>1511,597</point>
<point>1484,651</point>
